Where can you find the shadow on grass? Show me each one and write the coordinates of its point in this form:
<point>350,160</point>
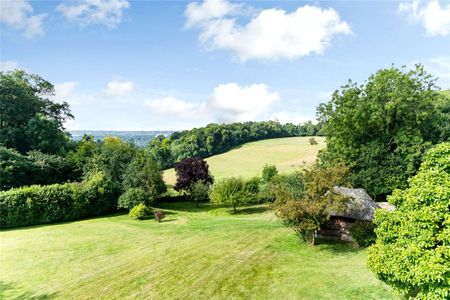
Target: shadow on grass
<point>187,206</point>
<point>336,247</point>
<point>28,227</point>
<point>251,210</point>
<point>9,291</point>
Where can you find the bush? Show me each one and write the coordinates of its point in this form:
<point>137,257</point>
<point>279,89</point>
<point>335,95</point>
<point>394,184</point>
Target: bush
<point>411,252</point>
<point>133,197</point>
<point>140,212</point>
<point>199,192</point>
<point>306,214</point>
<point>159,215</point>
<point>269,172</point>
<point>312,141</point>
<point>57,202</point>
<point>363,232</point>
<point>231,191</point>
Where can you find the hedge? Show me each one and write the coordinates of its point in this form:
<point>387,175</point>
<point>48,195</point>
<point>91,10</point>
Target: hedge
<point>36,204</point>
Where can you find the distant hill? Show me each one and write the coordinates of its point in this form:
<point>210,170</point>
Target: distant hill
<point>288,154</point>
<point>140,138</point>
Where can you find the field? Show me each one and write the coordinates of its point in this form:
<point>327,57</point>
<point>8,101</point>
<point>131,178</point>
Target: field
<point>287,154</point>
<point>204,253</point>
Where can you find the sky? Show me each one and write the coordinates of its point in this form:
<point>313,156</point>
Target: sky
<point>170,65</point>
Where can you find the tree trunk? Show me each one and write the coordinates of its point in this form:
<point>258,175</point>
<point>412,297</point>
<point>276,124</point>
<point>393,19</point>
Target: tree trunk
<point>234,207</point>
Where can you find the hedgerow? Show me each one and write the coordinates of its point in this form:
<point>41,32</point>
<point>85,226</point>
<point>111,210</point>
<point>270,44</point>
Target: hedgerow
<point>36,204</point>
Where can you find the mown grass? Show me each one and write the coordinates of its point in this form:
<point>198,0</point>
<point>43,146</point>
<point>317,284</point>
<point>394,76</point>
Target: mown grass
<point>287,154</point>
<point>205,253</point>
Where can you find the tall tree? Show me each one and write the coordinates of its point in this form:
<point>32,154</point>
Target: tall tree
<point>382,128</point>
<point>29,119</point>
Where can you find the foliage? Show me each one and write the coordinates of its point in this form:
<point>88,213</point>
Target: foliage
<point>36,204</point>
<point>199,192</point>
<point>382,128</point>
<point>159,215</point>
<point>412,250</point>
<point>269,172</point>
<point>231,191</point>
<point>363,233</point>
<point>112,159</point>
<point>133,197</point>
<point>307,213</point>
<point>312,141</point>
<point>29,120</point>
<point>83,153</point>
<point>140,212</point>
<point>218,138</point>
<point>143,172</point>
<point>34,168</point>
<point>191,170</point>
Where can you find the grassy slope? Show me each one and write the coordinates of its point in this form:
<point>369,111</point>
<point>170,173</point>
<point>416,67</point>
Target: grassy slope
<point>248,160</point>
<point>201,253</point>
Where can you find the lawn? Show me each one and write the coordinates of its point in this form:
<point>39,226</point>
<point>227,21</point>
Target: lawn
<point>205,253</point>
<point>287,154</point>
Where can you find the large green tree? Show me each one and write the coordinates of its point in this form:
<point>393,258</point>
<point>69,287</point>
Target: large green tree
<point>29,119</point>
<point>382,127</point>
<point>412,250</point>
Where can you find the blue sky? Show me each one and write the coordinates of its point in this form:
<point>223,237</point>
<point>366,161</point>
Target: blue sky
<point>152,65</point>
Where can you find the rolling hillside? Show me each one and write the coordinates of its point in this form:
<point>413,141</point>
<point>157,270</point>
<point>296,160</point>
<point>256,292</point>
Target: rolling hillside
<point>288,154</point>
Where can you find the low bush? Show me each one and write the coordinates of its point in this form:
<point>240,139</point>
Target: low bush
<point>363,232</point>
<point>36,204</point>
<point>140,212</point>
<point>312,141</point>
<point>133,197</point>
<point>159,215</point>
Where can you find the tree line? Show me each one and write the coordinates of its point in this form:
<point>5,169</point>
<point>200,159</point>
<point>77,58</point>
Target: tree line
<point>218,138</point>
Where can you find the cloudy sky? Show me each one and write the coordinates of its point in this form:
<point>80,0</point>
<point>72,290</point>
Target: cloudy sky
<point>152,65</point>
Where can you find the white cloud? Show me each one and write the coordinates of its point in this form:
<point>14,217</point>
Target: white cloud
<point>231,102</point>
<point>119,88</point>
<point>440,67</point>
<point>290,117</point>
<point>434,17</point>
<point>171,106</point>
<point>18,14</point>
<point>270,35</point>
<point>64,90</point>
<point>209,9</point>
<point>8,65</point>
<point>228,103</point>
<point>90,12</point>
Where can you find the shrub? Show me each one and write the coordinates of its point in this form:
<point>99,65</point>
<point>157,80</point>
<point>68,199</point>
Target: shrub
<point>140,212</point>
<point>133,197</point>
<point>307,213</point>
<point>269,172</point>
<point>36,204</point>
<point>363,233</point>
<point>312,141</point>
<point>411,252</point>
<point>159,215</point>
<point>231,191</point>
<point>199,192</point>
